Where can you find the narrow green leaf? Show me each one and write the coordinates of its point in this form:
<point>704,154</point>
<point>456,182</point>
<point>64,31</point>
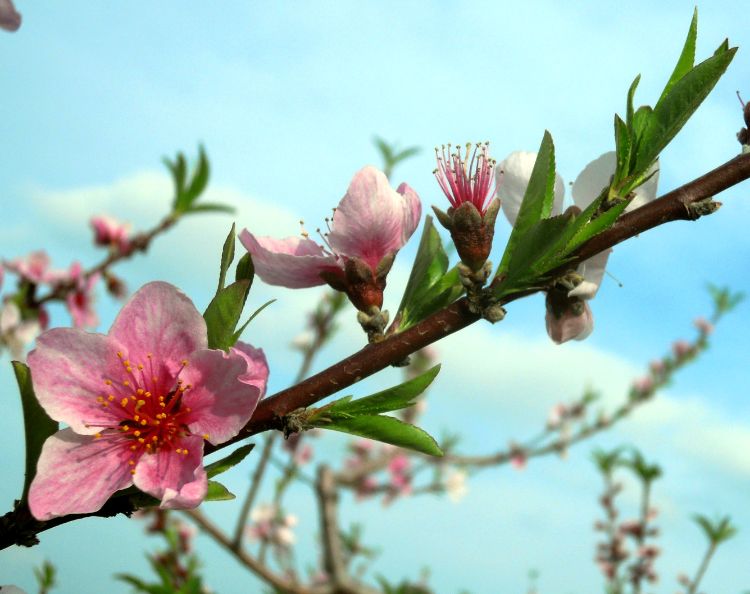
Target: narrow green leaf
<point>210,207</point>
<point>218,492</point>
<point>674,110</point>
<point>388,430</point>
<point>37,425</point>
<point>227,256</point>
<point>429,266</point>
<point>537,201</point>
<point>223,314</point>
<point>604,221</point>
<point>623,145</point>
<point>251,318</point>
<point>395,398</point>
<point>444,292</point>
<point>237,456</point>
<point>245,269</point>
<point>686,59</point>
<point>640,120</point>
<point>200,178</point>
<point>631,97</point>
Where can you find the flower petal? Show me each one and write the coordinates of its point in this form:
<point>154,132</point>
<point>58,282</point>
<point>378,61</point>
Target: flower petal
<point>161,320</point>
<point>69,368</point>
<point>373,220</point>
<point>220,402</point>
<point>76,474</point>
<point>596,176</point>
<point>292,262</point>
<point>178,479</point>
<point>257,366</point>
<point>569,326</point>
<point>512,179</point>
<point>592,271</point>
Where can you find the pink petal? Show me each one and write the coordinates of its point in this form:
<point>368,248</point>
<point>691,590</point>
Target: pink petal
<point>512,179</point>
<point>372,219</point>
<point>76,474</point>
<point>10,20</point>
<point>179,480</point>
<point>257,366</point>
<point>220,402</point>
<point>69,368</point>
<point>161,320</point>
<point>570,326</point>
<point>292,262</point>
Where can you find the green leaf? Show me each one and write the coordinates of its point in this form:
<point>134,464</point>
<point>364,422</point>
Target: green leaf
<point>245,268</point>
<point>631,97</point>
<point>429,287</point>
<point>237,456</point>
<point>674,110</point>
<point>223,314</point>
<point>251,318</point>
<point>395,398</point>
<point>227,256</point>
<point>686,59</point>
<point>604,221</point>
<point>218,492</point>
<point>37,425</point>
<point>640,120</point>
<point>200,178</point>
<point>209,207</point>
<point>624,145</point>
<point>388,430</point>
<point>537,200</point>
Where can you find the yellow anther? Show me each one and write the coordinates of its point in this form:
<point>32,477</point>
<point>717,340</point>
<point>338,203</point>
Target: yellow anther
<point>144,422</point>
<point>182,388</point>
<point>119,354</point>
<point>132,471</point>
<point>137,418</point>
<point>97,436</point>
<point>140,367</point>
<point>132,397</point>
<point>140,403</point>
<point>162,405</point>
<point>154,438</point>
<point>148,446</point>
<point>126,383</point>
<point>157,422</point>
<point>134,447</point>
<point>137,433</point>
<point>110,397</point>
<point>129,369</point>
<point>126,428</point>
<point>126,362</point>
<point>185,362</point>
<point>105,404</point>
<point>124,402</point>
<point>141,440</point>
<point>100,398</point>
<point>108,382</point>
<point>139,391</point>
<point>206,436</point>
<point>184,451</point>
<point>148,394</point>
<point>131,462</point>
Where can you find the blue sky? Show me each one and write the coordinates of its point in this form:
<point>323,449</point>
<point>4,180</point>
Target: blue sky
<point>286,98</point>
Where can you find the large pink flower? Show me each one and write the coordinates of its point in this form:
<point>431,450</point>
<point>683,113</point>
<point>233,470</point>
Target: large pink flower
<point>371,223</point>
<point>139,402</point>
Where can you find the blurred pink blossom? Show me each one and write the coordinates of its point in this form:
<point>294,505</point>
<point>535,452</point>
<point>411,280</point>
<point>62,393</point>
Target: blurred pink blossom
<point>110,232</point>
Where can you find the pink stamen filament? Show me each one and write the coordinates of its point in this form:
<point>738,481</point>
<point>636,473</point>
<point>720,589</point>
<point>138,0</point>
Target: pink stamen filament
<point>467,178</point>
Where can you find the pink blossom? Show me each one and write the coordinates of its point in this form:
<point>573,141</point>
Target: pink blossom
<point>366,487</point>
<point>643,385</point>
<point>400,479</point>
<point>657,367</point>
<point>110,232</point>
<point>80,300</point>
<point>10,19</point>
<point>138,402</point>
<point>681,348</point>
<point>15,332</point>
<point>271,526</point>
<point>372,222</point>
<point>34,268</point>
<point>569,324</point>
<point>466,178</point>
<point>704,326</point>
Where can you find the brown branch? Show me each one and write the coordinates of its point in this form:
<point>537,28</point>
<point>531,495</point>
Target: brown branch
<point>17,527</point>
<point>248,560</point>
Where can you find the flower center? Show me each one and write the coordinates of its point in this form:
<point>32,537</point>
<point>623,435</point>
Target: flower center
<point>148,404</point>
<point>467,177</point>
